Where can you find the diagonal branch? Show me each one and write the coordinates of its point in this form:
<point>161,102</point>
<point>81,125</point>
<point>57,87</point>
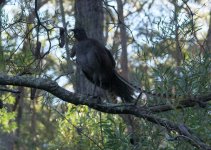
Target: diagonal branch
<point>140,112</point>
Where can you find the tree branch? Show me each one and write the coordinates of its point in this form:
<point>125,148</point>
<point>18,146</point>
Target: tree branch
<point>141,112</point>
<point>189,102</point>
<point>9,90</point>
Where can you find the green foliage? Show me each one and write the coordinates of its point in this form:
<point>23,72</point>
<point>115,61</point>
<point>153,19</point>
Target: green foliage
<point>7,121</point>
<point>81,129</point>
<point>7,118</point>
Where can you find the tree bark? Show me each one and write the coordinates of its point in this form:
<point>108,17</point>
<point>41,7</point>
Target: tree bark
<point>179,55</point>
<point>19,100</point>
<point>69,66</point>
<point>128,119</point>
<point>208,39</point>
<point>123,37</point>
<point>89,15</point>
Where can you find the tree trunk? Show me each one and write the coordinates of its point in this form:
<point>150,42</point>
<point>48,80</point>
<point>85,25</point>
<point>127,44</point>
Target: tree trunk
<point>208,39</point>
<point>89,15</point>
<point>2,62</point>
<point>123,37</point>
<point>179,55</point>
<point>19,100</point>
<point>69,64</point>
<point>128,119</point>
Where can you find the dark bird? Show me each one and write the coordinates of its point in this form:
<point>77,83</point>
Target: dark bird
<point>98,65</point>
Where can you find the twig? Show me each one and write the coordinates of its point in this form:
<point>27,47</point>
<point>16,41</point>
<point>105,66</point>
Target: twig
<point>9,90</point>
<point>39,23</point>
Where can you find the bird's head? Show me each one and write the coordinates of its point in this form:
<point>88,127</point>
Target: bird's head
<point>79,34</point>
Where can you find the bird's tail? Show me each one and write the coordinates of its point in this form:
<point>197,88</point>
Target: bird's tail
<point>122,88</point>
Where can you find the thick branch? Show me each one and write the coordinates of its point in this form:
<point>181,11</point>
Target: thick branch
<point>141,112</point>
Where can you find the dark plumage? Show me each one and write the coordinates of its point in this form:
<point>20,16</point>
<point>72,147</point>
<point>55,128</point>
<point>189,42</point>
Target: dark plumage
<point>98,65</point>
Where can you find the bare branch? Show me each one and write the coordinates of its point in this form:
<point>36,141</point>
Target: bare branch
<point>189,102</point>
<point>9,90</point>
<point>39,23</point>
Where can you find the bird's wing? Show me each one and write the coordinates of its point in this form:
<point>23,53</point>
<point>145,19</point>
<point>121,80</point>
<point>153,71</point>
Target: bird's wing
<point>111,57</point>
<point>103,55</point>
